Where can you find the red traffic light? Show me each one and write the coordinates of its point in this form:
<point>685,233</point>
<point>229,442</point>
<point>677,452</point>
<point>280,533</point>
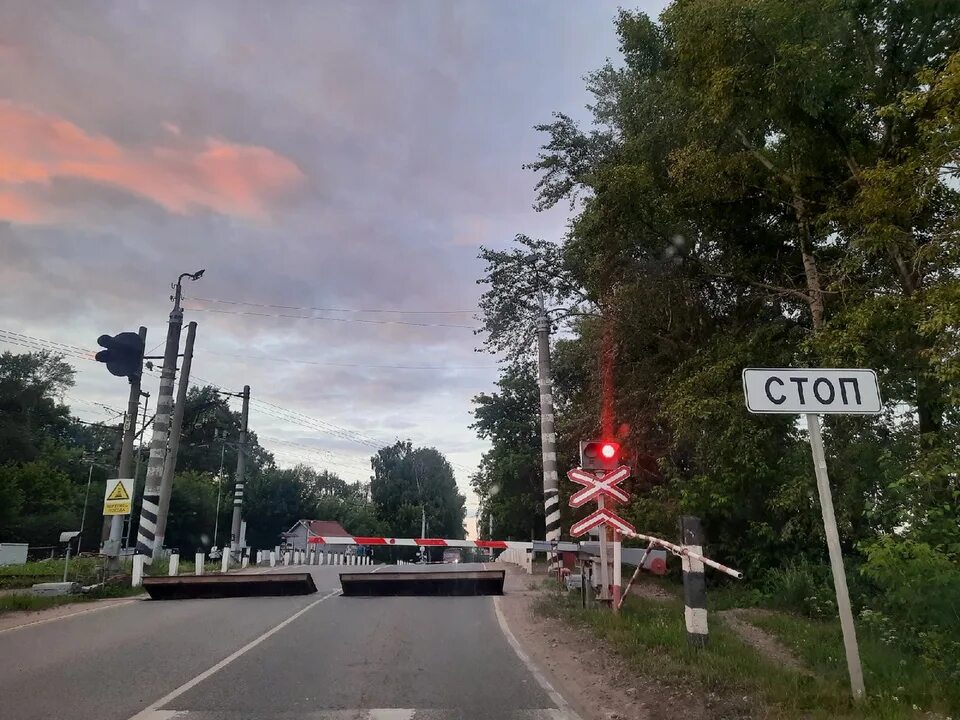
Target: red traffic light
<point>599,455</point>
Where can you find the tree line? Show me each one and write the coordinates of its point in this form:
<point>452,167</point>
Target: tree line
<point>763,183</point>
<point>46,456</point>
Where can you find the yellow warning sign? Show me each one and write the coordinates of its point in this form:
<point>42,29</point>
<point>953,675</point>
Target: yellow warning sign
<point>119,493</point>
<point>116,499</point>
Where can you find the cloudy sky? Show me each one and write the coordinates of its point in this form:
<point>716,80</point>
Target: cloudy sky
<point>318,159</point>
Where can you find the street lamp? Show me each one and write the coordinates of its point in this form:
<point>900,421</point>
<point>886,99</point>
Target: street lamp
<point>178,290</point>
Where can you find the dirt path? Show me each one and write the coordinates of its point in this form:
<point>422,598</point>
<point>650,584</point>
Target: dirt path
<point>585,671</point>
<point>738,620</point>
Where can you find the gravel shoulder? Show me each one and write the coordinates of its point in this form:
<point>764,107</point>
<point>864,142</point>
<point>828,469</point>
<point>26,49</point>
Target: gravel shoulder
<point>582,668</point>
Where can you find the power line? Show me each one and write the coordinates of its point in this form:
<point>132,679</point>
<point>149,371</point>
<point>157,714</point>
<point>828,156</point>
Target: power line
<point>324,309</point>
<point>351,365</point>
<point>330,319</point>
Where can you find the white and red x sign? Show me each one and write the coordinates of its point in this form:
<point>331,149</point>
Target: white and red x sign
<point>600,517</point>
<point>594,486</point>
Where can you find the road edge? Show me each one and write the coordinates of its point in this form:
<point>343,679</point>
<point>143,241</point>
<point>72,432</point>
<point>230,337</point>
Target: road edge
<point>566,708</point>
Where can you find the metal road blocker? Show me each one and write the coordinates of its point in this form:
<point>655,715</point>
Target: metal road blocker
<point>234,585</point>
<point>452,583</point>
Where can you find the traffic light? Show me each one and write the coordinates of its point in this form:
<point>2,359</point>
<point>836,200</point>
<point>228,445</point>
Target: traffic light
<point>599,455</point>
<point>123,354</point>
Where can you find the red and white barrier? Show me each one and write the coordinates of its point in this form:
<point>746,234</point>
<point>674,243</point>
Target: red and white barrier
<point>686,552</point>
<point>420,542</point>
<point>506,545</point>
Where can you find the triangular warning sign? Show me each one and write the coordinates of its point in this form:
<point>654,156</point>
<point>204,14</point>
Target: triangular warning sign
<point>119,493</point>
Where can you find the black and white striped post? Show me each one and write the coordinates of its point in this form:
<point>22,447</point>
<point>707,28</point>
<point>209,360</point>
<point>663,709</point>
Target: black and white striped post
<point>694,585</point>
<point>150,507</point>
<point>548,437</point>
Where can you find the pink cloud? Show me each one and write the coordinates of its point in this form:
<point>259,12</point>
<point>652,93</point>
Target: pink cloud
<point>18,209</point>
<point>182,175</point>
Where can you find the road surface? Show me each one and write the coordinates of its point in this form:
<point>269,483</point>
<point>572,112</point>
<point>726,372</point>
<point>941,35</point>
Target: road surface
<point>317,657</point>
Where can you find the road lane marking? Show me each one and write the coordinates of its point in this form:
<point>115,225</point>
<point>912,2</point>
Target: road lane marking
<point>565,711</point>
<point>44,621</point>
<point>152,712</point>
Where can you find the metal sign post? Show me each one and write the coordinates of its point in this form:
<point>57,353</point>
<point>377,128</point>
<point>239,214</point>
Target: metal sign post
<point>812,392</point>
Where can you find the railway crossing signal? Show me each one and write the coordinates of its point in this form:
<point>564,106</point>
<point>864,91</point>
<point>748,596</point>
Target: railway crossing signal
<point>596,486</point>
<point>599,455</point>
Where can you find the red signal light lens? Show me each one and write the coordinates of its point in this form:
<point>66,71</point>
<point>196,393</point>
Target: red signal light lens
<point>608,450</point>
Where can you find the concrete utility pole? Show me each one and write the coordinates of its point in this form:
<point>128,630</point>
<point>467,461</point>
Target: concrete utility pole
<point>241,466</point>
<point>548,436</point>
<point>111,545</point>
<point>170,463</point>
<point>136,467</point>
<point>150,507</point>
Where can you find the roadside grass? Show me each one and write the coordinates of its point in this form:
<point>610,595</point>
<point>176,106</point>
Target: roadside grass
<point>26,602</point>
<point>891,674</point>
<point>85,570</point>
<point>651,636</point>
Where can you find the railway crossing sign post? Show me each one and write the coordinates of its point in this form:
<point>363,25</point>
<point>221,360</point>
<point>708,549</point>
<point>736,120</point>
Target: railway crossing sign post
<point>602,485</point>
<point>815,392</point>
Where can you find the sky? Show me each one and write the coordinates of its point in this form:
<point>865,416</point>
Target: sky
<point>317,159</point>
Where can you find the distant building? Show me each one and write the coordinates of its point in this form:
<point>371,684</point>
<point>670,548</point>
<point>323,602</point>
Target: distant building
<point>296,537</point>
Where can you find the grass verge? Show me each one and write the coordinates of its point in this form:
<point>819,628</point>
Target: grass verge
<point>26,602</point>
<point>651,636</point>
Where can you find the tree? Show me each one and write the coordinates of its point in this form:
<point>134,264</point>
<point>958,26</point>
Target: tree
<point>30,411</point>
<point>407,479</point>
<point>764,183</point>
<point>509,482</point>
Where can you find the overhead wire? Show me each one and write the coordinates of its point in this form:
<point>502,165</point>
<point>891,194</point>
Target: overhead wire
<point>271,358</point>
<point>330,319</point>
<point>326,309</point>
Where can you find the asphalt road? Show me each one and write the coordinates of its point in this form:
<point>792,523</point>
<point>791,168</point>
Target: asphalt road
<point>319,657</point>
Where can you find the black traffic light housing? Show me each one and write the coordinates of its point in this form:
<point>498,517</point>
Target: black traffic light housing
<point>599,455</point>
<point>123,354</point>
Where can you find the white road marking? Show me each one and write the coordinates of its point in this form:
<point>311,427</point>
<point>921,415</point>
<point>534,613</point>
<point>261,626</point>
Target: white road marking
<point>43,621</point>
<point>565,712</point>
<point>151,712</point>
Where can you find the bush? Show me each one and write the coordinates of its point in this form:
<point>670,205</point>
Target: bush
<point>917,603</point>
<point>801,587</point>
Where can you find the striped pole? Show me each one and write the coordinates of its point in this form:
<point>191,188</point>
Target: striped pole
<point>150,509</point>
<point>548,436</point>
<point>241,466</point>
<point>694,585</point>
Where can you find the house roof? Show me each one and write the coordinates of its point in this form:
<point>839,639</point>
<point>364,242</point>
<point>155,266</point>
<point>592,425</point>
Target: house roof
<point>322,528</point>
<point>326,528</point>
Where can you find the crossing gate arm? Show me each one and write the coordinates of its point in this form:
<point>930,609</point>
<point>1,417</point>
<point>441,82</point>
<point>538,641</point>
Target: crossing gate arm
<point>682,551</point>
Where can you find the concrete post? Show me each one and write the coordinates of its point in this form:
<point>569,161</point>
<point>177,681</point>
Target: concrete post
<point>137,571</point>
<point>548,436</point>
<point>289,557</point>
<point>273,559</point>
<point>198,561</point>
<point>694,585</point>
<point>225,562</point>
<point>174,564</point>
<point>245,561</point>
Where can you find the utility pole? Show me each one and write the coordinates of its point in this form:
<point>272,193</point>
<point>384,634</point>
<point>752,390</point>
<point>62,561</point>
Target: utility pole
<point>241,465</point>
<point>548,436</point>
<point>111,545</point>
<point>136,468</point>
<point>150,506</point>
<point>216,519</point>
<point>170,463</point>
<point>83,518</point>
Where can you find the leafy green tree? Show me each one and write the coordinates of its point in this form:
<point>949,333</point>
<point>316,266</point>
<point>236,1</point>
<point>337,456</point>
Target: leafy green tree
<point>407,479</point>
<point>509,482</point>
<point>30,411</point>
